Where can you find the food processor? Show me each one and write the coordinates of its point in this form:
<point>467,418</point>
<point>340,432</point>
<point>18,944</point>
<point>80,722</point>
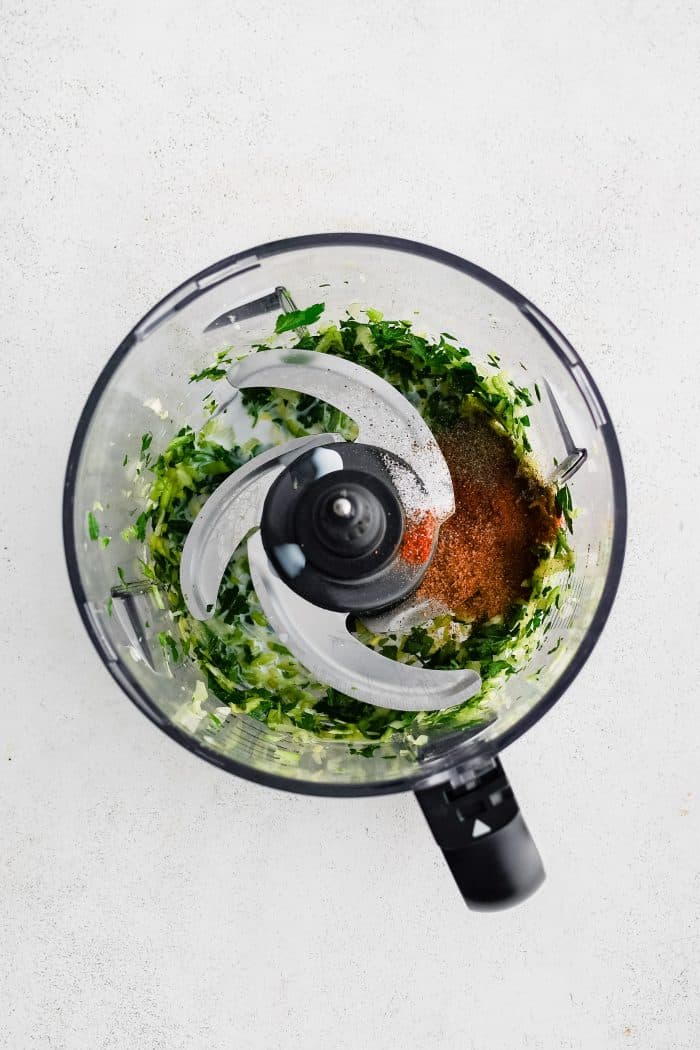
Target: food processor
<point>325,521</point>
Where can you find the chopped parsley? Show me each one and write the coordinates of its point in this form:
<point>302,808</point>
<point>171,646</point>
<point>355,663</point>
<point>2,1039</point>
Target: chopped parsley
<point>215,371</point>
<point>92,526</point>
<point>169,646</point>
<point>299,318</point>
<point>565,506</point>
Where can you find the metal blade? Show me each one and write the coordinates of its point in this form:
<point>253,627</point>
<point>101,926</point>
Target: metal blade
<point>322,643</point>
<point>412,613</point>
<point>227,517</point>
<point>385,418</point>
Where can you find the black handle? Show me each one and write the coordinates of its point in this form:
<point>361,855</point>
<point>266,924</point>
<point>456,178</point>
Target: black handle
<point>476,821</point>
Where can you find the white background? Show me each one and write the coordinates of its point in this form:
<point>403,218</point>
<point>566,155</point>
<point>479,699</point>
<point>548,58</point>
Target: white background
<point>150,901</point>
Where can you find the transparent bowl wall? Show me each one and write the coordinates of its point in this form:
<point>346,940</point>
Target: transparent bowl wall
<point>145,387</point>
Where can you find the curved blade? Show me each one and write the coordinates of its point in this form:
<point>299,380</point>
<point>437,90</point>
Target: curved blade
<point>322,643</point>
<point>384,416</point>
<point>411,613</point>
<point>227,517</point>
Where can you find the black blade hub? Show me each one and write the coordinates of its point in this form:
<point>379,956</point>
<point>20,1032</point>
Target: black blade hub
<point>350,522</point>
<point>333,524</point>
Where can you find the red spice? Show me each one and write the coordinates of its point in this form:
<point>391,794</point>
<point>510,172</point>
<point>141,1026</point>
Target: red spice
<point>487,550</point>
<point>418,539</point>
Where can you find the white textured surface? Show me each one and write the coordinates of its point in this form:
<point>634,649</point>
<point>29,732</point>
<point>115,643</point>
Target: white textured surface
<point>147,900</point>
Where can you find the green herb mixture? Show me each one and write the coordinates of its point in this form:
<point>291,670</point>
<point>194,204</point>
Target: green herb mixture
<point>239,656</point>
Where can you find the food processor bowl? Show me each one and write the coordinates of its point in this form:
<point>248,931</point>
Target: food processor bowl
<point>144,388</point>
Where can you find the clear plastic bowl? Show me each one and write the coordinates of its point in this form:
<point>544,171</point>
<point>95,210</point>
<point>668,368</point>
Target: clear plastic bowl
<point>144,387</point>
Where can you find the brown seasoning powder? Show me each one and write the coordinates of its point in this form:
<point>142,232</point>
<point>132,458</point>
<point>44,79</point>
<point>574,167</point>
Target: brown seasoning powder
<point>487,551</point>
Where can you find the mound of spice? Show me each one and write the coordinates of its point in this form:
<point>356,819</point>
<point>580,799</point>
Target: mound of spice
<point>488,549</point>
<point>418,538</point>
